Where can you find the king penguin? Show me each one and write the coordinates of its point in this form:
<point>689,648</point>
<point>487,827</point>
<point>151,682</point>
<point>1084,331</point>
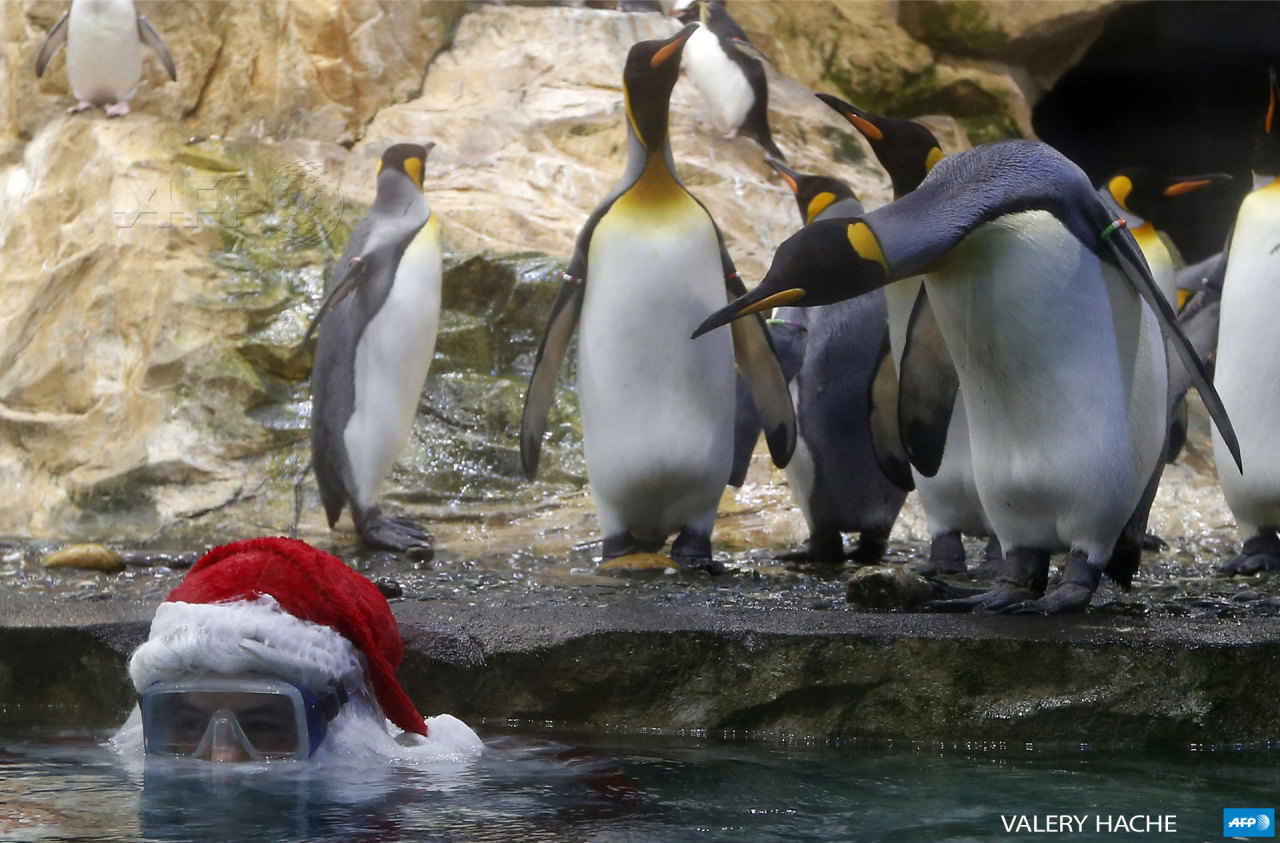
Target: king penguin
<point>375,340</point>
<point>1055,326</point>
<point>104,41</point>
<point>729,74</point>
<point>657,407</point>
<point>1247,371</point>
<point>930,406</point>
<point>835,473</point>
<point>1139,194</point>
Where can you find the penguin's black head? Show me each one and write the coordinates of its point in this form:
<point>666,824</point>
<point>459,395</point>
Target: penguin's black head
<point>814,194</point>
<point>650,73</point>
<point>1143,191</point>
<point>1266,149</point>
<point>906,149</point>
<point>823,263</point>
<point>407,158</point>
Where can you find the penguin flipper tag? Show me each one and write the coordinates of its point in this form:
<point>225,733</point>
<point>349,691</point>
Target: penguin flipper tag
<point>1132,264</point>
<point>546,370</point>
<point>350,280</point>
<point>152,39</point>
<point>55,39</point>
<point>882,401</point>
<point>927,387</point>
<point>758,363</point>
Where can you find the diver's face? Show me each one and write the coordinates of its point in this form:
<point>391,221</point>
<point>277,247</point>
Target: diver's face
<point>267,722</point>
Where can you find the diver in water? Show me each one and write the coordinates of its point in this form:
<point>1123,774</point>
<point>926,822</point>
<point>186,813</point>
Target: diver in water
<point>270,650</point>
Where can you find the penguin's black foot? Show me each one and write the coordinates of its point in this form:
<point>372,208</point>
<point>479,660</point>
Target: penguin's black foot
<point>946,556</point>
<point>619,544</point>
<point>692,552</point>
<point>992,562</point>
<point>1022,579</point>
<point>870,547</point>
<point>1150,541</point>
<point>824,547</point>
<point>1079,582</point>
<point>383,532</point>
<point>1260,553</point>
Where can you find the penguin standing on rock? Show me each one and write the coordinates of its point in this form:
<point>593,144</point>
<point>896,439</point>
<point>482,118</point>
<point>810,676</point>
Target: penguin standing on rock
<point>104,41</point>
<point>1247,371</point>
<point>657,407</point>
<point>728,72</point>
<point>835,473</point>
<point>1054,324</point>
<point>376,337</point>
<point>931,414</point>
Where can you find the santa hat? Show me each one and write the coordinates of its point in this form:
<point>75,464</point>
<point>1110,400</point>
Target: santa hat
<point>278,606</point>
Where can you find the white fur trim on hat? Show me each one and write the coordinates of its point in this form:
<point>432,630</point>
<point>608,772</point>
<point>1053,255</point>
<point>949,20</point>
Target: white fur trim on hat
<point>242,636</point>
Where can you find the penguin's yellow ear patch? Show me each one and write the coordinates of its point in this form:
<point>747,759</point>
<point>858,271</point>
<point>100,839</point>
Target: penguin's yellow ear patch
<point>1120,187</point>
<point>864,242</point>
<point>413,169</point>
<point>818,204</point>
<point>935,155</point>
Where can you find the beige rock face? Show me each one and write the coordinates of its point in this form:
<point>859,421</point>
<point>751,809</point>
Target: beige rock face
<point>133,362</point>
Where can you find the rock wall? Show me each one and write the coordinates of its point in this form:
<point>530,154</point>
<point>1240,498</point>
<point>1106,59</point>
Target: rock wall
<point>158,270</point>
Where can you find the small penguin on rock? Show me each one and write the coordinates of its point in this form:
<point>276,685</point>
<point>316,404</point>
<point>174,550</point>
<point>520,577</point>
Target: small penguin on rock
<point>104,41</point>
<point>657,407</point>
<point>729,73</point>
<point>376,335</point>
<point>1054,323</point>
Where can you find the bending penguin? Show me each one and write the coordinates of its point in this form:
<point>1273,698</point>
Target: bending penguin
<point>657,407</point>
<point>1247,371</point>
<point>104,41</point>
<point>375,340</point>
<point>835,473</point>
<point>728,72</point>
<point>1054,323</point>
<point>932,422</point>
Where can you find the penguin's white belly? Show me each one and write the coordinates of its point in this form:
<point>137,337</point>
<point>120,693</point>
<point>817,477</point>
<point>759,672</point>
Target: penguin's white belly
<point>657,406</point>
<point>1247,374</point>
<point>104,52</point>
<point>720,81</point>
<point>950,497</point>
<point>1064,376</point>
<point>392,358</point>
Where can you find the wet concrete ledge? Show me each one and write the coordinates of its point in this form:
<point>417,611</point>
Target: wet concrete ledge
<point>634,666</point>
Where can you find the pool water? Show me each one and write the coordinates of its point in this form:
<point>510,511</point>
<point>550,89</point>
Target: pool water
<point>529,787</point>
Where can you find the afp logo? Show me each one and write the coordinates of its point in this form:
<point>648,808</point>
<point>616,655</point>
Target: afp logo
<point>1248,822</point>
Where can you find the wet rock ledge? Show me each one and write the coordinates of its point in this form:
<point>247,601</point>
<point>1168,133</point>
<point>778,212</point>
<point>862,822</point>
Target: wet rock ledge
<point>631,665</point>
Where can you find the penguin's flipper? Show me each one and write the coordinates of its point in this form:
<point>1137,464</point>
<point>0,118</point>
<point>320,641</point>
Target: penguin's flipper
<point>927,387</point>
<point>746,432</point>
<point>152,39</point>
<point>750,50</point>
<point>1134,267</point>
<point>349,281</point>
<point>56,38</point>
<point>886,442</point>
<point>759,366</point>
<point>546,370</point>
<point>1199,321</point>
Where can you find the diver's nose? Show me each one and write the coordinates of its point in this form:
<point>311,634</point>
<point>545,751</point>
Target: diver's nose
<point>226,747</point>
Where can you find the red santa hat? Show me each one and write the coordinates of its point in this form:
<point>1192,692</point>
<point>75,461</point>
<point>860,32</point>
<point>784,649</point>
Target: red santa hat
<point>278,606</point>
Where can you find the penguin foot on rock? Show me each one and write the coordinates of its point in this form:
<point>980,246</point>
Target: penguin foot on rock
<point>383,532</point>
<point>992,562</point>
<point>1260,553</point>
<point>619,544</point>
<point>870,547</point>
<point>83,105</point>
<point>117,109</point>
<point>997,599</point>
<point>1150,541</point>
<point>1023,577</point>
<point>824,547</point>
<point>692,552</point>
<point>946,556</point>
<point>1079,581</point>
